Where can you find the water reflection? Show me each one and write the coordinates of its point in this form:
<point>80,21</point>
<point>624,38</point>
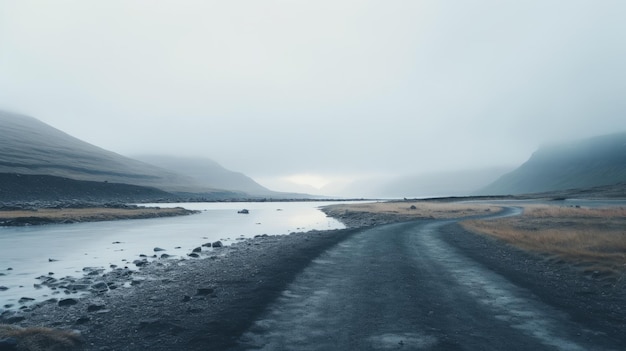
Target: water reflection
<point>65,249</point>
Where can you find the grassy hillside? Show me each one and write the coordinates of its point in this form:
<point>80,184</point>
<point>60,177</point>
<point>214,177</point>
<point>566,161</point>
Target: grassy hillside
<point>586,163</point>
<point>28,146</point>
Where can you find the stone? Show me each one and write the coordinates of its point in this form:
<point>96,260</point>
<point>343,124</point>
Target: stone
<point>67,302</point>
<point>8,344</point>
<point>197,249</point>
<point>95,307</point>
<point>3,288</point>
<point>140,263</point>
<point>193,254</point>
<point>157,249</point>
<point>100,287</point>
<point>205,291</point>
<point>25,299</point>
<point>217,244</point>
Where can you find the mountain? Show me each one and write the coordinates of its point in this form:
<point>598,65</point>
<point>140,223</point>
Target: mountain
<point>587,163</point>
<point>31,147</point>
<point>211,174</point>
<point>207,172</point>
<point>449,183</point>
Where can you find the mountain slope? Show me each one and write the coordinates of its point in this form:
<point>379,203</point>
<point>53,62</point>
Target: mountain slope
<point>28,187</point>
<point>207,172</point>
<point>597,161</point>
<point>29,146</point>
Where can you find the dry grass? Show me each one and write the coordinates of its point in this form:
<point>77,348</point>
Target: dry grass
<point>593,239</point>
<point>91,214</point>
<point>422,209</point>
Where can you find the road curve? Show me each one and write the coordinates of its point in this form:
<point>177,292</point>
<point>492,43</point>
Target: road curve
<point>400,287</point>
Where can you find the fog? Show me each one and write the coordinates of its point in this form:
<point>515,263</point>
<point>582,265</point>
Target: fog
<point>314,95</point>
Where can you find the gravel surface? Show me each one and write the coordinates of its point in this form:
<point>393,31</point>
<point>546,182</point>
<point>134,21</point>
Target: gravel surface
<point>206,303</point>
<point>193,304</point>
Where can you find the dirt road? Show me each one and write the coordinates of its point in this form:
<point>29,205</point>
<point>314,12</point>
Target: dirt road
<point>400,287</point>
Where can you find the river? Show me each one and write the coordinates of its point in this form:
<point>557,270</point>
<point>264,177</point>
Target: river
<point>61,250</point>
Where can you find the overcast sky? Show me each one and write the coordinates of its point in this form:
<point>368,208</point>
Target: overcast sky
<point>331,89</point>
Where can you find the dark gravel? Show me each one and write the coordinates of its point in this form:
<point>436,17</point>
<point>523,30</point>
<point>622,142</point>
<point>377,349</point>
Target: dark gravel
<point>206,303</point>
<point>598,302</point>
<point>194,304</point>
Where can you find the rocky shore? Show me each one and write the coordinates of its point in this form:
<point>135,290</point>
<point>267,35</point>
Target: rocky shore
<point>203,302</point>
<point>206,302</point>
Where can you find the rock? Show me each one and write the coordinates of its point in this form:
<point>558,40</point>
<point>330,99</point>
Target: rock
<point>25,299</point>
<point>52,260</point>
<point>3,288</point>
<point>83,320</point>
<point>206,245</point>
<point>15,319</point>
<point>197,249</point>
<point>186,298</point>
<point>77,287</point>
<point>413,207</point>
<point>217,244</point>
<point>67,302</point>
<point>8,344</point>
<point>140,263</point>
<point>95,307</point>
<point>165,255</point>
<point>157,249</point>
<point>205,291</point>
<point>193,254</point>
<point>100,287</point>
<point>244,211</point>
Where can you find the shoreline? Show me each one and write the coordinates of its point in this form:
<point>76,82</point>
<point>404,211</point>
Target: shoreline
<point>26,216</point>
<point>205,303</point>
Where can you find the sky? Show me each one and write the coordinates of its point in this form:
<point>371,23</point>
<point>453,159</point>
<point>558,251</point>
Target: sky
<point>318,94</point>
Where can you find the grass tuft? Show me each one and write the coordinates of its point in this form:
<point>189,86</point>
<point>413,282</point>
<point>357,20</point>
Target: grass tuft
<point>593,239</point>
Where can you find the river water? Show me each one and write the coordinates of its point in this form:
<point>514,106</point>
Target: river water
<point>61,250</point>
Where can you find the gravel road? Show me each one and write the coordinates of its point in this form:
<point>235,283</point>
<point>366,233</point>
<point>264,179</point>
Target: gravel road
<point>401,287</point>
<point>418,285</point>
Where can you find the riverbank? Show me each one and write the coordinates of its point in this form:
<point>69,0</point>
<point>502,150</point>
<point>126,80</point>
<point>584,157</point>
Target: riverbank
<point>27,215</point>
<point>191,304</point>
<point>206,303</point>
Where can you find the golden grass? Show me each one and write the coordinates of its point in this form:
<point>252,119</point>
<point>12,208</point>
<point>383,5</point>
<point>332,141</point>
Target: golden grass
<point>592,238</point>
<point>422,209</point>
<point>91,213</point>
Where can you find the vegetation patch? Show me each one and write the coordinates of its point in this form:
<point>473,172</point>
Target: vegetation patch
<point>593,239</point>
<point>91,214</point>
<point>417,209</point>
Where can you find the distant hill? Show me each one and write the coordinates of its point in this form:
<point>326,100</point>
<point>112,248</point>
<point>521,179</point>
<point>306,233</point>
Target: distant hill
<point>449,183</point>
<point>587,163</point>
<point>206,172</point>
<point>209,173</point>
<point>31,147</point>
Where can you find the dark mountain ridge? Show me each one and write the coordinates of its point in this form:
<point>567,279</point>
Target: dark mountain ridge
<point>593,162</point>
<point>29,146</point>
<point>67,167</point>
